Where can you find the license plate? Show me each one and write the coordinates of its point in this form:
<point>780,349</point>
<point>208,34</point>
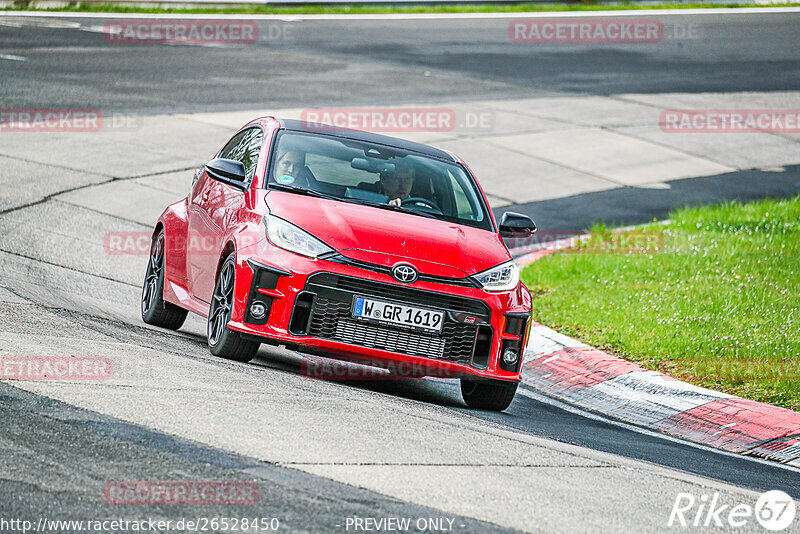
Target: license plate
<point>392,313</point>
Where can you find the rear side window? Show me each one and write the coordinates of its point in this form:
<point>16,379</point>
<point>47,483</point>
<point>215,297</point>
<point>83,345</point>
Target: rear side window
<point>245,147</point>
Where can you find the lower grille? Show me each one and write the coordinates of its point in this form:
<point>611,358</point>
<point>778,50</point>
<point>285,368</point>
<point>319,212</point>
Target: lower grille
<point>331,319</point>
<point>379,337</point>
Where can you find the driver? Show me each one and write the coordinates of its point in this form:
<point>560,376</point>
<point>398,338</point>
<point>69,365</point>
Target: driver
<point>397,186</point>
<point>289,168</point>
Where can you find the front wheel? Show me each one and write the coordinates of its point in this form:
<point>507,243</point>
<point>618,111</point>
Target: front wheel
<point>495,395</point>
<point>155,310</point>
<point>222,341</point>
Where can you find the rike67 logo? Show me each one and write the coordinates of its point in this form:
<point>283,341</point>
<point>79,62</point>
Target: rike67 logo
<point>774,510</point>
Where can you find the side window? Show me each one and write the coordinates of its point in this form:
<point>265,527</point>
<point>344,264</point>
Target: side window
<point>245,147</point>
<point>231,146</point>
<point>463,208</point>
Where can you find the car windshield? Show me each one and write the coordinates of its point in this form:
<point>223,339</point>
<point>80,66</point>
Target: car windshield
<point>378,175</point>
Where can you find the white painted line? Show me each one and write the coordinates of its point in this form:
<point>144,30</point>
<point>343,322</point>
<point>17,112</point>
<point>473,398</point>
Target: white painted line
<point>540,346</point>
<point>531,355</point>
<point>645,397</point>
<point>550,359</point>
<point>650,385</point>
<point>544,399</point>
<point>416,16</point>
<point>107,31</point>
<point>561,339</point>
<point>723,427</point>
<point>12,57</point>
<point>545,341</point>
<point>96,29</point>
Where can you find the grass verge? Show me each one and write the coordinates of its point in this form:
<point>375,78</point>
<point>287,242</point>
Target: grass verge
<point>323,9</point>
<point>718,305</point>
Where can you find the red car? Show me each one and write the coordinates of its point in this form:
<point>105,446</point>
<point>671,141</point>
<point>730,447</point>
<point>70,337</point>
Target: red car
<point>350,245</point>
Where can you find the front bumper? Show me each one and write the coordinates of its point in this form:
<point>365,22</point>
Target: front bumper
<point>309,308</point>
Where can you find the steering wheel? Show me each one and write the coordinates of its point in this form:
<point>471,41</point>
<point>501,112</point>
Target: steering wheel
<point>419,201</point>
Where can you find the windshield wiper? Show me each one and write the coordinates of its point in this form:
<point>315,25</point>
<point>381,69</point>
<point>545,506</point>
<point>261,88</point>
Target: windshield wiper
<point>391,207</point>
<point>300,191</point>
<point>313,193</point>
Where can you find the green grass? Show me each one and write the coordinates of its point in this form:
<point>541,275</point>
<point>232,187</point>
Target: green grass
<point>717,306</point>
<point>309,9</point>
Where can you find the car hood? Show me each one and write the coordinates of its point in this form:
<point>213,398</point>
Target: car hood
<point>385,237</point>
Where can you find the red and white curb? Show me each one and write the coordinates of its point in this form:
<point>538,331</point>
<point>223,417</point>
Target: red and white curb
<point>572,371</point>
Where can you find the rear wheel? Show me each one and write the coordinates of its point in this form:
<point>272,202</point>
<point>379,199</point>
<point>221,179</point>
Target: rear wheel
<point>495,395</point>
<point>155,310</point>
<point>222,341</point>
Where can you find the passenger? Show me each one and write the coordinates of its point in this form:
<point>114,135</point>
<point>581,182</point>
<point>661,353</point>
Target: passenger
<point>290,167</point>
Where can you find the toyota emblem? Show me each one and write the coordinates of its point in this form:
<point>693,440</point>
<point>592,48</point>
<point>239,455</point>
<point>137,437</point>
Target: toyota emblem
<point>405,273</point>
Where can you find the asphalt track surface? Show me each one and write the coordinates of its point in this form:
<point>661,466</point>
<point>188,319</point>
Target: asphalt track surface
<point>347,63</point>
<point>379,62</point>
<point>314,63</point>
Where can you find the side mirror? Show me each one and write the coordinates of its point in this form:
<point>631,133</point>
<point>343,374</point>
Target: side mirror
<point>227,171</point>
<point>515,225</point>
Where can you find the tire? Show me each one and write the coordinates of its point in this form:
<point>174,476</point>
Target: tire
<point>222,341</point>
<point>496,395</point>
<point>155,310</point>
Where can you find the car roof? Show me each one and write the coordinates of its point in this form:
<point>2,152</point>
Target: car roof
<point>358,135</point>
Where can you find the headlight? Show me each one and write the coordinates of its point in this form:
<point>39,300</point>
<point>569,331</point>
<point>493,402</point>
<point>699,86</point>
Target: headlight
<point>504,277</point>
<point>289,237</point>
